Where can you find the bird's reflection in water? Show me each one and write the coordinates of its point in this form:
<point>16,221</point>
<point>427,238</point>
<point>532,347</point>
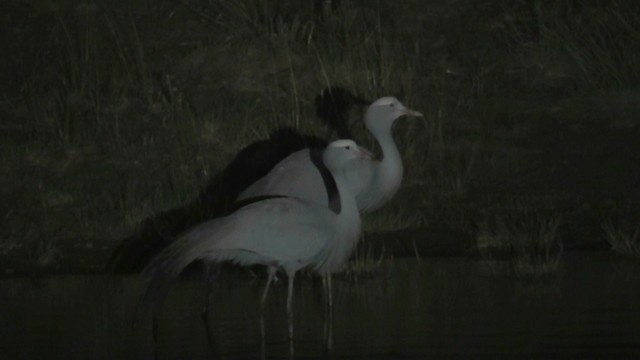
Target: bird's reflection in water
<point>263,337</point>
<point>327,326</point>
<point>328,329</point>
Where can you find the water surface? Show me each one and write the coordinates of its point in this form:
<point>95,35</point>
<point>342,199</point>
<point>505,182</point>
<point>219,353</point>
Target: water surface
<point>434,308</point>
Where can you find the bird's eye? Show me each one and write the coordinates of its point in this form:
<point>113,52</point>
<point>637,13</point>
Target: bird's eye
<point>392,104</point>
<point>347,147</point>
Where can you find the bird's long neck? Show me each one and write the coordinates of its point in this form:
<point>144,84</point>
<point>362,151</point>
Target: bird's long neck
<point>347,228</point>
<point>389,171</point>
<point>348,205</point>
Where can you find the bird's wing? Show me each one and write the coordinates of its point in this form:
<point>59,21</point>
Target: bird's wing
<point>276,231</point>
<point>295,176</point>
<point>280,230</point>
<point>165,267</point>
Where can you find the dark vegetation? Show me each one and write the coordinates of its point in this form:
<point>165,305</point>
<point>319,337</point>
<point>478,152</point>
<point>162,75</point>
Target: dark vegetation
<point>118,116</point>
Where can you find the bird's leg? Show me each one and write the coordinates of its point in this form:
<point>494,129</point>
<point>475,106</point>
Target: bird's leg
<point>272,276</point>
<point>154,334</point>
<point>290,311</point>
<point>326,284</point>
<point>324,287</point>
<point>211,272</point>
<point>290,308</point>
<point>330,291</point>
<point>328,329</point>
<point>205,307</point>
<point>328,321</point>
<point>263,342</point>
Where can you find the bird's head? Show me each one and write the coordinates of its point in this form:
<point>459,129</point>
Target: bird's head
<point>383,112</point>
<point>340,152</point>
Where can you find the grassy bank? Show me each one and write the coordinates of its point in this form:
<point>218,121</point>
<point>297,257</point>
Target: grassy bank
<point>114,112</point>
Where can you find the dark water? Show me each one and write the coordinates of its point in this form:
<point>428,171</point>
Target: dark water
<point>436,308</point>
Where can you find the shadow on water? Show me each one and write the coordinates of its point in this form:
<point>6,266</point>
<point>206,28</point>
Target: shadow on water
<point>434,308</point>
<point>250,164</point>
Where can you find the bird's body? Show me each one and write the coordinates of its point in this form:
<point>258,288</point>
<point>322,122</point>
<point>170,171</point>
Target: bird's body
<point>372,182</point>
<point>279,232</point>
<point>217,198</point>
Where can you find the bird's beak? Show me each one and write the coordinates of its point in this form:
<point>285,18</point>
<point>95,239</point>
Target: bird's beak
<point>365,154</point>
<point>413,113</point>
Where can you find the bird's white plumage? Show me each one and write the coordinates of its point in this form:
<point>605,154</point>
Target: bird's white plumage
<point>286,232</point>
<point>372,182</point>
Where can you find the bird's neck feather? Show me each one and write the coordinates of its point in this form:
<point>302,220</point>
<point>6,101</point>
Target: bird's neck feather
<point>347,199</point>
<point>390,168</point>
<point>347,229</point>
